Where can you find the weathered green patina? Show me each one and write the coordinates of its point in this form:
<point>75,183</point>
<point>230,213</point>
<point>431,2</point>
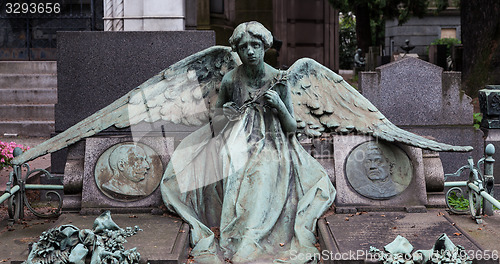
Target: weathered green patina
<point>128,171</point>
<point>15,191</point>
<point>400,251</point>
<point>479,186</point>
<point>69,244</point>
<point>248,189</point>
<point>184,93</point>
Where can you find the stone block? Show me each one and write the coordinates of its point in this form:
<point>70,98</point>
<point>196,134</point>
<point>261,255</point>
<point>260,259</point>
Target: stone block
<point>96,195</point>
<point>433,171</point>
<point>456,135</point>
<point>29,95</point>
<point>347,238</point>
<point>34,67</point>
<point>27,128</point>
<point>352,196</point>
<point>96,68</point>
<point>38,112</point>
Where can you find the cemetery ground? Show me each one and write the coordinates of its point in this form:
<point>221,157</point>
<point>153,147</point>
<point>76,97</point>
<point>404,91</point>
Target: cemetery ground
<point>160,231</point>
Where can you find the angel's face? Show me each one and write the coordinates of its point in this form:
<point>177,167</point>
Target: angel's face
<point>251,50</point>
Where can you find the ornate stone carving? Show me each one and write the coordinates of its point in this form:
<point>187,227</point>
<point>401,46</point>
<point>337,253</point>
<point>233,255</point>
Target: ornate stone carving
<point>128,171</point>
<point>378,170</point>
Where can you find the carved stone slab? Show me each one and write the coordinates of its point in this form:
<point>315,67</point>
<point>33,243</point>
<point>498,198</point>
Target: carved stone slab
<point>375,175</point>
<point>121,173</point>
<point>353,234</point>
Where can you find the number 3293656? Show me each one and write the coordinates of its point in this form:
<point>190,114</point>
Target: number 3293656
<point>32,8</point>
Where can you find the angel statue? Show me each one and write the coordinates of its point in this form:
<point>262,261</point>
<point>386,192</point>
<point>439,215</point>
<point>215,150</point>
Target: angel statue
<point>243,182</point>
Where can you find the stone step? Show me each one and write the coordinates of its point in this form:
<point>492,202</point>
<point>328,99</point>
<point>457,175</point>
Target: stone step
<point>23,81</point>
<point>28,96</point>
<point>28,67</point>
<point>28,112</point>
<point>27,128</point>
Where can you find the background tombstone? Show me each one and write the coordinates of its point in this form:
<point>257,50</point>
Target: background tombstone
<point>419,97</point>
<point>95,69</point>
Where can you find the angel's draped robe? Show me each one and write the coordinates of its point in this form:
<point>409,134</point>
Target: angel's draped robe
<point>249,193</point>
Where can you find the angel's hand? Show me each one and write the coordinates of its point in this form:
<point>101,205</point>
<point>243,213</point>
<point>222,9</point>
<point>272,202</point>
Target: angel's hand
<point>230,110</point>
<point>273,99</point>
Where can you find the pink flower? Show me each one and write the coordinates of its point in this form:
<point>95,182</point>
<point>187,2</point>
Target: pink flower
<point>6,152</point>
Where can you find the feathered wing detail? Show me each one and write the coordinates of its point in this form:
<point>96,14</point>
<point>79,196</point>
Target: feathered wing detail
<point>182,93</point>
<point>324,102</point>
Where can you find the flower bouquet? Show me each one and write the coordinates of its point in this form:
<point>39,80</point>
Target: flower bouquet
<point>6,153</point>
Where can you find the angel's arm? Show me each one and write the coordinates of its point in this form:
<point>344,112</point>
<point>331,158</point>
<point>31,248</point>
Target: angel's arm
<point>220,120</point>
<point>282,102</point>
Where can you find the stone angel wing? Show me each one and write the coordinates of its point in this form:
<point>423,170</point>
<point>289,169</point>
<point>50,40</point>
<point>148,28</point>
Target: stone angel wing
<point>182,93</point>
<point>324,102</point>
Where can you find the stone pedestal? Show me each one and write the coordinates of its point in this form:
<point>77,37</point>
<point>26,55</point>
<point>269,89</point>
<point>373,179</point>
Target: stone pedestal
<point>493,137</point>
<point>84,179</point>
<point>99,153</point>
<point>489,101</point>
<point>434,179</point>
<point>360,165</point>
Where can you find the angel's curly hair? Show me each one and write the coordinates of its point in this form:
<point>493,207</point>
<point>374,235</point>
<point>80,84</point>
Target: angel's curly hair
<point>255,29</point>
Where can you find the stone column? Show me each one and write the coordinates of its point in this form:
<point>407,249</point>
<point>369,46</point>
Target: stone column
<point>144,15</point>
<point>113,15</point>
<point>489,102</point>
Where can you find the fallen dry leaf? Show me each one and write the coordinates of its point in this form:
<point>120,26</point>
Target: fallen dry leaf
<point>346,219</point>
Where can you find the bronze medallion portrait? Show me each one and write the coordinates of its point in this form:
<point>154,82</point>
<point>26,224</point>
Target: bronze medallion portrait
<point>128,171</point>
<point>378,170</point>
